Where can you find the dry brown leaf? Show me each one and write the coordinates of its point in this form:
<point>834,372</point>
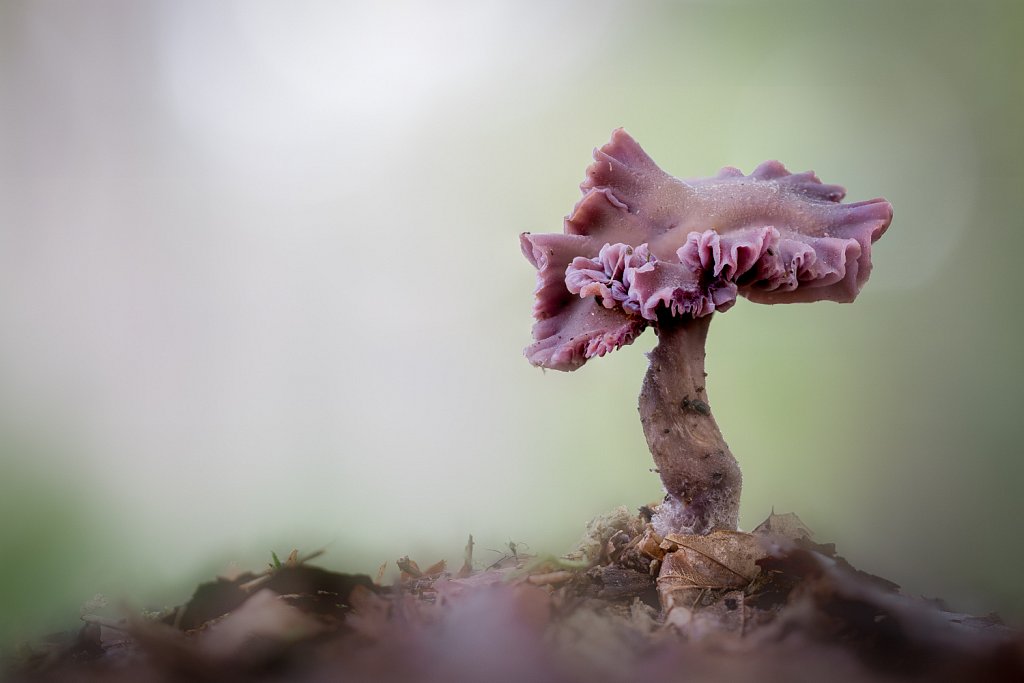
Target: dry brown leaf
<point>436,568</point>
<point>786,525</point>
<point>721,559</point>
<point>650,544</point>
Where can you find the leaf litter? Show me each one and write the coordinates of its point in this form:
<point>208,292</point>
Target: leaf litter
<point>625,605</point>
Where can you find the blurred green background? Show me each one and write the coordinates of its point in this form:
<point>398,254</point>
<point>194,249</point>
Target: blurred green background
<point>261,288</point>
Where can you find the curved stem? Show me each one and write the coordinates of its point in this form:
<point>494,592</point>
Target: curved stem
<point>700,474</point>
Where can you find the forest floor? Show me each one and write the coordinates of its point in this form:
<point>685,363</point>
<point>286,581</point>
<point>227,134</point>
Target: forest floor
<point>626,605</point>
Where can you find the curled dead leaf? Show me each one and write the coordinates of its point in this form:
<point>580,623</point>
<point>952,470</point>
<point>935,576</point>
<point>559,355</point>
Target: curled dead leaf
<point>786,525</point>
<point>718,561</point>
<point>650,544</point>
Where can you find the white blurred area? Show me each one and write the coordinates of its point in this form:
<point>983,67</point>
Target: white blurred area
<point>261,287</point>
<point>258,272</point>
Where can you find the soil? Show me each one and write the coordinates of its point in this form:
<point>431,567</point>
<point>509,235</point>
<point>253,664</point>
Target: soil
<point>626,605</point>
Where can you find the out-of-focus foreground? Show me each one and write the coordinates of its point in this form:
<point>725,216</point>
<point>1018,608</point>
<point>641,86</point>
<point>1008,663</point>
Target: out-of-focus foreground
<point>260,285</point>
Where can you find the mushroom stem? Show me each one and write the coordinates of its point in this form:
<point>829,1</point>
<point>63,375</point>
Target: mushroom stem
<point>700,474</point>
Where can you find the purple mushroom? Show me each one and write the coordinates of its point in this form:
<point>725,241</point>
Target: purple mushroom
<point>642,248</point>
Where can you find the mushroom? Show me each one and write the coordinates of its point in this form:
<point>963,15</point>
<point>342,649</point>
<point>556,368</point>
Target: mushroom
<point>644,249</point>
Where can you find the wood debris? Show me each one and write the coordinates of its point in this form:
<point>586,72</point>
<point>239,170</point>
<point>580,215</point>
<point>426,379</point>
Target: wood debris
<point>626,605</point>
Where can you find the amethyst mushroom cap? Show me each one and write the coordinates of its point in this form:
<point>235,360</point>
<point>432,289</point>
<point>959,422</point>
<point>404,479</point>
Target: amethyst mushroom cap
<point>643,248</point>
